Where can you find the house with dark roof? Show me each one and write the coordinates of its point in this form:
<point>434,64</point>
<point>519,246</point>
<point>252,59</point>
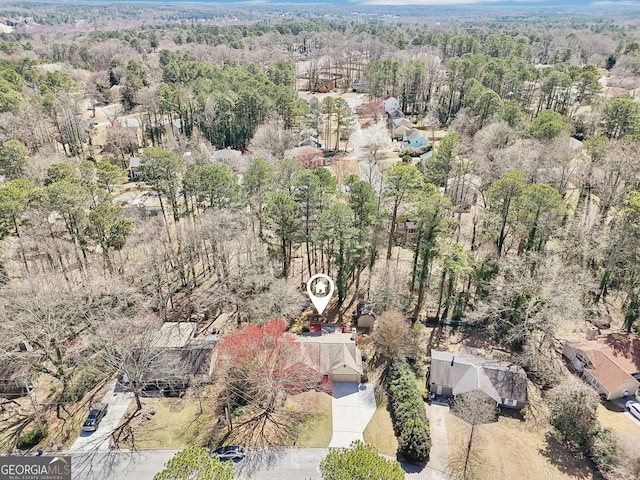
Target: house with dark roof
<point>610,363</point>
<point>179,357</point>
<point>363,317</point>
<point>394,115</point>
<point>323,85</point>
<point>452,374</point>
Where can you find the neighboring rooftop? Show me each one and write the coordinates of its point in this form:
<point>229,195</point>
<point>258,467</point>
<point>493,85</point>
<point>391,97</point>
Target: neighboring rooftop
<point>606,371</point>
<point>622,348</point>
<point>174,334</point>
<point>466,373</point>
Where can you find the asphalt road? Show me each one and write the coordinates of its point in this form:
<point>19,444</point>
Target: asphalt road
<point>271,464</point>
<point>117,465</point>
<point>281,464</point>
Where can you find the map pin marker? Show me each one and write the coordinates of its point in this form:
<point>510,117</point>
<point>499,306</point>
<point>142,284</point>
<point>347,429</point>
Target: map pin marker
<point>321,291</point>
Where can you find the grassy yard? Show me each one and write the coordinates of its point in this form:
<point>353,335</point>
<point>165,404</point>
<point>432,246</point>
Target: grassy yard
<point>176,423</point>
<point>628,431</point>
<point>511,448</point>
<point>379,432</point>
<point>316,431</point>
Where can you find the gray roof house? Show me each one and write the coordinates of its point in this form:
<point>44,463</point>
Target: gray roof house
<point>452,374</point>
<point>334,355</point>
<point>414,138</point>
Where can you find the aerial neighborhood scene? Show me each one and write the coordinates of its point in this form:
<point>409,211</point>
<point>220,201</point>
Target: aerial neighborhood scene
<point>339,240</point>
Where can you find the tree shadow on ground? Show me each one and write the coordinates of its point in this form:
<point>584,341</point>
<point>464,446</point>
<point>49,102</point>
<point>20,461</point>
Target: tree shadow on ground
<point>512,413</point>
<point>568,461</point>
<point>437,337</point>
<point>258,459</point>
<point>613,406</point>
<point>411,467</point>
<point>102,464</point>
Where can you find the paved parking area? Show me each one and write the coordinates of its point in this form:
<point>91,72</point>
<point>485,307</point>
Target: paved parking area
<point>352,407</point>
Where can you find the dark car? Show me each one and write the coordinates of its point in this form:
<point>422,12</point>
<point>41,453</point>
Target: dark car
<point>93,420</point>
<point>230,452</point>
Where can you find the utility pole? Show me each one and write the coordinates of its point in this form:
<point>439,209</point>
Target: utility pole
<point>32,397</point>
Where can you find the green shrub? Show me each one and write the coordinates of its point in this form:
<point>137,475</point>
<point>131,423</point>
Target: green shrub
<point>414,441</point>
<point>81,384</point>
<point>605,449</point>
<point>410,421</point>
<point>30,439</point>
<point>358,463</point>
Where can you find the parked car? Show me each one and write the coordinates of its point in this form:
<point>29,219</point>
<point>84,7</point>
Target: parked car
<point>634,408</point>
<point>95,416</point>
<point>230,452</point>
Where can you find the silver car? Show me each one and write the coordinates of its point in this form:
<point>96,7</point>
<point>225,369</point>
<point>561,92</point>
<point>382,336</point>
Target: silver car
<point>230,452</point>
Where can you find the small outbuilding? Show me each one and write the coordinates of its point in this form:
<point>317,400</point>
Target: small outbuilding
<point>363,317</point>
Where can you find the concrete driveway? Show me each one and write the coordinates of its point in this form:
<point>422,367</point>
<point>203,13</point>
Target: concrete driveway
<point>352,407</point>
<point>100,439</point>
<point>439,454</point>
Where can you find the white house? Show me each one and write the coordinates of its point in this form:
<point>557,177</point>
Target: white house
<point>321,287</point>
<point>389,104</point>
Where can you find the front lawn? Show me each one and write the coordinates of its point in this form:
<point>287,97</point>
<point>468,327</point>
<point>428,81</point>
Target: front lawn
<point>317,429</point>
<point>176,423</point>
<point>379,432</point>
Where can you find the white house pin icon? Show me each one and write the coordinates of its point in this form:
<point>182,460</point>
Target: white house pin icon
<point>320,288</point>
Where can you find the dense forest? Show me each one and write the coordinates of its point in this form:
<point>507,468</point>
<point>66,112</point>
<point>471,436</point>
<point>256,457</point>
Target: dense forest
<point>525,210</point>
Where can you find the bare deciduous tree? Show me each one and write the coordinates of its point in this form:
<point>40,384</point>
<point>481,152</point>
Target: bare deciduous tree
<point>271,141</point>
<point>475,409</point>
<point>392,337</point>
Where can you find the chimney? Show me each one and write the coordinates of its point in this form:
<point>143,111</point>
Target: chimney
<point>453,359</point>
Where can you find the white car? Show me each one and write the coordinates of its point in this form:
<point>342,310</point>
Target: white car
<point>634,408</point>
